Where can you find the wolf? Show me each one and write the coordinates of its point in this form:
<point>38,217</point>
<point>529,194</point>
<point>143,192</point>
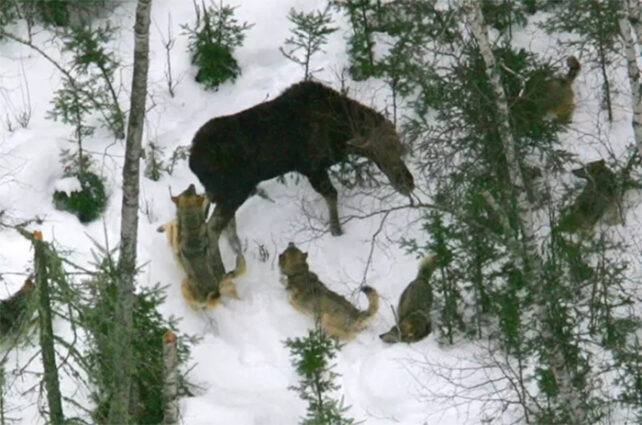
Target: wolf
<point>337,316</point>
<point>188,237</point>
<point>415,303</point>
<point>559,92</point>
<point>15,311</point>
<point>599,196</point>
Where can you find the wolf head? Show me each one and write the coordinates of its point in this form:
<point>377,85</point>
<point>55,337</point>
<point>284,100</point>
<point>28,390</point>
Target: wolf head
<point>292,260</point>
<point>407,331</point>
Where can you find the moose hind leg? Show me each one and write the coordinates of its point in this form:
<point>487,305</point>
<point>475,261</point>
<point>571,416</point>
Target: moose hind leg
<point>223,214</point>
<point>320,182</point>
<point>235,243</point>
<point>233,237</point>
<point>215,227</point>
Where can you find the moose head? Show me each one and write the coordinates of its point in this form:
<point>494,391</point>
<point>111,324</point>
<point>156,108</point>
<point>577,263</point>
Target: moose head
<point>380,143</point>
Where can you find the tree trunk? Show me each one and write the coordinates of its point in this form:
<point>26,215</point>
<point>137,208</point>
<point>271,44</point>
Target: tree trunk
<point>571,399</point>
<point>121,335</point>
<point>3,420</point>
<point>47,350</point>
<point>634,74</point>
<point>170,380</point>
<point>605,77</point>
<point>634,10</point>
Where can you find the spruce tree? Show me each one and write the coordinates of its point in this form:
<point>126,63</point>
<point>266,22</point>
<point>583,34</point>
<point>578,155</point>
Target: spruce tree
<point>312,356</point>
<point>365,19</point>
<point>308,37</point>
<point>538,304</point>
<point>596,22</point>
<point>212,41</point>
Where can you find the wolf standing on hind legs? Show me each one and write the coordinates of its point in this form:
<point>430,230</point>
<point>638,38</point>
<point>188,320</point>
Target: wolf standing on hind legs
<point>338,317</point>
<point>188,236</point>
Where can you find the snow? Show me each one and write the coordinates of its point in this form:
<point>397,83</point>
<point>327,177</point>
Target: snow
<point>241,364</point>
<point>68,185</point>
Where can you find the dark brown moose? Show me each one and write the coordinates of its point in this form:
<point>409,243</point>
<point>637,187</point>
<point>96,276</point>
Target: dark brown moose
<point>308,128</point>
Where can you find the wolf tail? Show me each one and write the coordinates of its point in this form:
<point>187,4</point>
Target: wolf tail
<point>427,267</point>
<point>373,304</point>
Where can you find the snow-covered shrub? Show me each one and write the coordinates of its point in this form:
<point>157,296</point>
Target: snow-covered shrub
<point>88,202</point>
<point>212,42</point>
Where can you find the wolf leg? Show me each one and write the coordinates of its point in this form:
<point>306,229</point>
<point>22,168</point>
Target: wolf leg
<point>227,287</point>
<point>193,300</point>
<point>171,230</point>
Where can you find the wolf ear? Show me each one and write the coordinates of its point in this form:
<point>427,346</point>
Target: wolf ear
<point>175,199</point>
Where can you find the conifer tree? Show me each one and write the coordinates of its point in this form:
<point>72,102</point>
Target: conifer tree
<point>596,21</point>
<point>312,356</point>
<point>308,37</point>
<point>213,39</point>
<point>480,133</point>
<point>365,19</point>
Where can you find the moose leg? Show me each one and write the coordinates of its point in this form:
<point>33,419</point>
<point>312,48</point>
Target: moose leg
<point>320,182</point>
<point>233,237</point>
<point>235,243</point>
<point>215,226</point>
<point>221,217</point>
<point>214,229</point>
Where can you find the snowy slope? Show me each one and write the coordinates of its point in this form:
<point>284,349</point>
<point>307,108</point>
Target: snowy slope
<point>241,365</point>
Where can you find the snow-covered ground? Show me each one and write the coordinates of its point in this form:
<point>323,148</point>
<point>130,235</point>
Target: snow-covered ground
<point>241,364</point>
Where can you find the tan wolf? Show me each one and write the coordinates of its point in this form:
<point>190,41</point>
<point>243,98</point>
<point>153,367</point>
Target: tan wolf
<point>188,237</point>
<point>337,316</point>
<point>415,303</point>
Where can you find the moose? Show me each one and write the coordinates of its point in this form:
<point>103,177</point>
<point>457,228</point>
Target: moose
<point>308,128</point>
